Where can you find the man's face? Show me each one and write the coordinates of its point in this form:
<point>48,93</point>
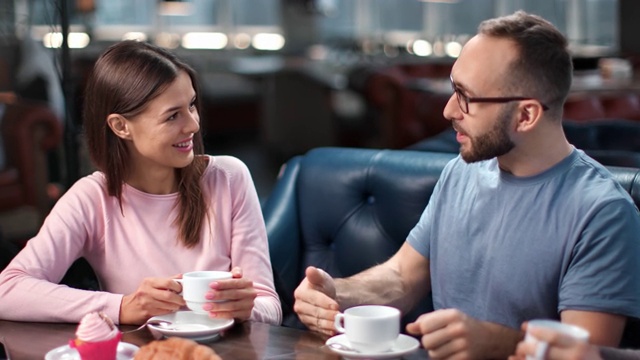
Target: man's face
<point>491,143</point>
<point>485,131</point>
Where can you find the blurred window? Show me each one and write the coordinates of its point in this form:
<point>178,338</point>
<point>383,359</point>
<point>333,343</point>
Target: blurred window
<point>587,23</point>
<point>591,23</point>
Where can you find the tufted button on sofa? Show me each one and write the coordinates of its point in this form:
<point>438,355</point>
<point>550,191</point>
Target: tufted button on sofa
<point>346,209</point>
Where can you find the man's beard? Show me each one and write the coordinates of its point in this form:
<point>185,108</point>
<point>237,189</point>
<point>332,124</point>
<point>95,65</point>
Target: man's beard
<point>493,143</point>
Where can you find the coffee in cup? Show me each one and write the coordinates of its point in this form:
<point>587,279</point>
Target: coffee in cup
<point>195,285</point>
<point>369,328</point>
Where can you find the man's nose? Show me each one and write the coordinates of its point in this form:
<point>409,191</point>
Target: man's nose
<point>452,109</point>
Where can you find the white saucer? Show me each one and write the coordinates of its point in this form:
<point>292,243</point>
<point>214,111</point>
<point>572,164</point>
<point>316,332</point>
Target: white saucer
<point>403,345</point>
<point>187,324</point>
<point>125,351</point>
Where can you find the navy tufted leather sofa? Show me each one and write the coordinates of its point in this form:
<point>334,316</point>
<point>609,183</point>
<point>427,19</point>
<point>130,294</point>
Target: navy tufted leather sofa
<point>346,209</point>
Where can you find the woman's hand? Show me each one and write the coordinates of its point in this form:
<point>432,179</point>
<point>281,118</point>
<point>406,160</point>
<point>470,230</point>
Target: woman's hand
<point>559,347</point>
<point>154,296</point>
<point>234,298</point>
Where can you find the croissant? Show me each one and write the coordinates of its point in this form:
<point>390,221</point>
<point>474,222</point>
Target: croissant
<point>175,348</point>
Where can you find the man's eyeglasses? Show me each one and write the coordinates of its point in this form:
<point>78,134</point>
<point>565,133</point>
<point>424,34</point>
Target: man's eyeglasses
<point>464,100</point>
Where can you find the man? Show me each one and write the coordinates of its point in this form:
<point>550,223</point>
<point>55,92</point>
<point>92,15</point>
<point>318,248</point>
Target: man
<point>520,225</point>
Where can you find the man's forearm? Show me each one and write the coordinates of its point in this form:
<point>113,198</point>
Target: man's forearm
<point>502,341</point>
<point>377,285</point>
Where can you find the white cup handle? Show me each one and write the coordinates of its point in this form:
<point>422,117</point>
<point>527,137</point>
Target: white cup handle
<point>179,281</point>
<point>337,322</point>
<point>541,350</point>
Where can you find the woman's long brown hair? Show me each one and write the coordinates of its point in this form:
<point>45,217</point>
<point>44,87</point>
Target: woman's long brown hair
<point>126,77</point>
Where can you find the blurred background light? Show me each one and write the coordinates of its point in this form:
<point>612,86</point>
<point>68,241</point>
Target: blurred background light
<point>422,48</point>
<point>135,35</point>
<point>76,40</point>
<point>204,40</point>
<point>266,41</point>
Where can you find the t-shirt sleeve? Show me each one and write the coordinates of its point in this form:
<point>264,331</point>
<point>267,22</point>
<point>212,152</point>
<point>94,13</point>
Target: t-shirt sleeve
<point>420,236</point>
<point>605,263</point>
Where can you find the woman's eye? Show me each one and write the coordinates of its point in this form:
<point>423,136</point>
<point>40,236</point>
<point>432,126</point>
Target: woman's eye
<point>173,116</point>
<point>192,106</point>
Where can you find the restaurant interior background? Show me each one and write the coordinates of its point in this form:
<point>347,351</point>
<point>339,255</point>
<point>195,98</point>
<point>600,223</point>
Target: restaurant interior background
<point>278,77</point>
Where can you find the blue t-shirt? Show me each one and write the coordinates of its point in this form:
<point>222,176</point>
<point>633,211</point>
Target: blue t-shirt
<point>507,249</point>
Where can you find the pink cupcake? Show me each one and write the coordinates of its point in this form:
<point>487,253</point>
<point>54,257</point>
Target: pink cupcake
<point>97,337</point>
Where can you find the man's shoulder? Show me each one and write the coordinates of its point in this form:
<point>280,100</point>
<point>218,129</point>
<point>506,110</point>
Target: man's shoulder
<point>594,180</point>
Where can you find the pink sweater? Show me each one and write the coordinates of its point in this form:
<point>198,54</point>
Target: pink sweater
<point>123,248</point>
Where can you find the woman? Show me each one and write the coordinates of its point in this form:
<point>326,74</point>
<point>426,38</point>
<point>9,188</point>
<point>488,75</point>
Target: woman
<point>156,208</point>
<point>563,347</point>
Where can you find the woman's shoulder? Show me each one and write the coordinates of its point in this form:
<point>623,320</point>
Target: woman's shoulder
<point>93,180</point>
<point>89,186</point>
<point>226,164</point>
<point>225,170</point>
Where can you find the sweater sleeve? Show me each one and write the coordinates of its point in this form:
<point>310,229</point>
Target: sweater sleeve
<point>249,247</point>
<point>29,286</point>
<point>608,353</point>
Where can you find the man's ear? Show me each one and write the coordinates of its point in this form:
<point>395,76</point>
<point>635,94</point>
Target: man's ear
<point>529,113</point>
<point>119,126</point>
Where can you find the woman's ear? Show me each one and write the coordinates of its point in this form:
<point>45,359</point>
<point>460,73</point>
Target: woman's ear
<point>119,126</point>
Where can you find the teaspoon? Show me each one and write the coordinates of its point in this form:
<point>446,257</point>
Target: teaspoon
<point>161,323</point>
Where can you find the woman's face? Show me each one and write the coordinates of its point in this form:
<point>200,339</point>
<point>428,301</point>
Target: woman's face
<point>161,137</point>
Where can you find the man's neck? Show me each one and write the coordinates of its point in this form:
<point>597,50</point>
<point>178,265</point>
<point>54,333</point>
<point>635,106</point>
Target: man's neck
<point>538,153</point>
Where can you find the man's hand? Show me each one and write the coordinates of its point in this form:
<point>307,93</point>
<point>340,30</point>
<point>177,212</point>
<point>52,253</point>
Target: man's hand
<point>315,301</point>
<point>234,297</point>
<point>154,296</point>
<point>451,334</point>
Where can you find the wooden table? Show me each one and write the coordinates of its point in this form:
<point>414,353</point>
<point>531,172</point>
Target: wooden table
<point>247,341</point>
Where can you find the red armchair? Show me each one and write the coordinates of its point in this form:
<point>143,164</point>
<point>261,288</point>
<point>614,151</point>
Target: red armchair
<point>407,115</point>
<point>597,106</point>
<point>29,131</point>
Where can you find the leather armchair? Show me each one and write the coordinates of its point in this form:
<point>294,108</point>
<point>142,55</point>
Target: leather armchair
<point>613,142</point>
<point>407,111</point>
<point>29,130</point>
<point>618,105</point>
<point>405,115</point>
<point>347,209</point>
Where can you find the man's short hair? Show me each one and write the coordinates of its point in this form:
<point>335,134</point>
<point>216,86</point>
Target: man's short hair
<point>543,68</point>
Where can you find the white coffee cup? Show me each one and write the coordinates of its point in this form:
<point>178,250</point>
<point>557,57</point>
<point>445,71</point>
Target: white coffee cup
<point>369,328</point>
<point>196,284</point>
<point>573,331</point>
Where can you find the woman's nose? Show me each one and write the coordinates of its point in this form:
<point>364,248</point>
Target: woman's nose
<point>193,124</point>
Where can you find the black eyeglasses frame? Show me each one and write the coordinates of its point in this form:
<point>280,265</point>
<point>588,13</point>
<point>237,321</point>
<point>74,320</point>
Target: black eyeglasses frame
<point>464,100</point>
